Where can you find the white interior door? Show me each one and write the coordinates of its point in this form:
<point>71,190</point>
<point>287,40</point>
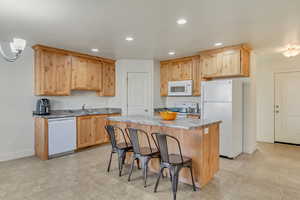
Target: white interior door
<point>138,93</point>
<point>287,107</point>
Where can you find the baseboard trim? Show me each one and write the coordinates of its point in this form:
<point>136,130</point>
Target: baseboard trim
<point>16,155</point>
<point>287,143</point>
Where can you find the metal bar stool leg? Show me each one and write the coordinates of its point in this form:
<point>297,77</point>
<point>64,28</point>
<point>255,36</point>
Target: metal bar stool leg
<point>109,163</point>
<point>194,186</point>
<point>131,168</point>
<point>145,170</point>
<point>158,178</point>
<point>175,174</point>
<point>121,155</point>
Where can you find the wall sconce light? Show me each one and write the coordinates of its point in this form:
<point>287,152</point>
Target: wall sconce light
<point>291,51</point>
<point>17,47</point>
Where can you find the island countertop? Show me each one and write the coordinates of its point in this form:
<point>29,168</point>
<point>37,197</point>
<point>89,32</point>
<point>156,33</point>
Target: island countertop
<point>182,123</point>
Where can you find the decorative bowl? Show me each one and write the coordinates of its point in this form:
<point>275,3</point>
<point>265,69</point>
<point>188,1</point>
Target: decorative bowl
<point>167,115</point>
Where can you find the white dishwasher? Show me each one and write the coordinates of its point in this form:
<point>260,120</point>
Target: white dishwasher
<point>61,136</point>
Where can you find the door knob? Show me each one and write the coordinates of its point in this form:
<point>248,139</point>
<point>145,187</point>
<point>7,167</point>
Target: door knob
<point>146,110</point>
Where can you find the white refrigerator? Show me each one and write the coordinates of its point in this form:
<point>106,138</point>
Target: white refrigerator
<point>223,100</point>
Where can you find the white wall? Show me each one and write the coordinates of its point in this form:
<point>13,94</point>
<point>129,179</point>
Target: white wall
<point>17,103</point>
<point>172,101</point>
<point>250,108</point>
<point>267,65</point>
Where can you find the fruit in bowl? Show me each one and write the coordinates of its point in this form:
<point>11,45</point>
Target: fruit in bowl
<point>167,115</point>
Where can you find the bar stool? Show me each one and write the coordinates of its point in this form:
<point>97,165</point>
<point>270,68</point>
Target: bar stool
<point>174,162</point>
<point>142,153</point>
<point>120,148</point>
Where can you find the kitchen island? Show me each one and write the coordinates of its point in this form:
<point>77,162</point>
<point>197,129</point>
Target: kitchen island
<point>199,140</point>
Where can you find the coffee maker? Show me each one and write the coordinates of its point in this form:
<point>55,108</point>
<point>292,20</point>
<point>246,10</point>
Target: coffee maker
<point>42,107</point>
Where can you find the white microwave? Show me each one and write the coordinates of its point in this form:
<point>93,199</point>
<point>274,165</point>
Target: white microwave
<point>180,88</point>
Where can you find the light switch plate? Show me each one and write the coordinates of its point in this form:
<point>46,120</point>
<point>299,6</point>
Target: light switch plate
<point>206,130</point>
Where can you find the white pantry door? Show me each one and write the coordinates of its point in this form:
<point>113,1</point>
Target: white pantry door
<point>138,93</point>
<point>287,107</point>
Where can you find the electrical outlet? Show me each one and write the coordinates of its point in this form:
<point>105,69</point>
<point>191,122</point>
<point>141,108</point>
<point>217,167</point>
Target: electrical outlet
<point>206,130</point>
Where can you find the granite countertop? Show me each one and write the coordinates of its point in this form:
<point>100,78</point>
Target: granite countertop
<point>79,112</point>
<point>184,123</point>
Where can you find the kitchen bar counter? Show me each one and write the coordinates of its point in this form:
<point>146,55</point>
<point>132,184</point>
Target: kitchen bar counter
<point>199,140</point>
<point>184,123</point>
<point>79,112</point>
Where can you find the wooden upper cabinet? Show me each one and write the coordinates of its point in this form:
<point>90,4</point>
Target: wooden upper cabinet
<point>108,79</point>
<point>86,74</point>
<point>231,61</point>
<point>181,69</point>
<point>185,68</point>
<point>164,74</point>
<point>58,71</point>
<point>209,65</point>
<point>196,75</point>
<point>52,72</point>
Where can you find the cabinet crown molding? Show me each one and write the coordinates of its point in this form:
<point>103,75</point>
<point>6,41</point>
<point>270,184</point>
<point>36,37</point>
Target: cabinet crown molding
<point>243,46</point>
<point>71,53</point>
<point>179,59</point>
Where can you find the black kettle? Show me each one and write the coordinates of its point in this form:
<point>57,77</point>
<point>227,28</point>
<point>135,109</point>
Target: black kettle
<point>43,107</point>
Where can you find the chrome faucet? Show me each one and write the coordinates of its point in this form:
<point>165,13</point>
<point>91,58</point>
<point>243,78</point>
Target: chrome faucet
<point>83,107</point>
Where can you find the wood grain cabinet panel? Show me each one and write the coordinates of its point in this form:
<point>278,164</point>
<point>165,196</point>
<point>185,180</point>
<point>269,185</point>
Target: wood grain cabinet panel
<point>229,63</point>
<point>164,74</point>
<point>85,135</point>
<point>185,70</point>
<point>209,64</point>
<point>108,80</point>
<point>91,130</point>
<point>196,75</point>
<point>233,61</point>
<point>86,74</point>
<point>58,71</point>
<point>188,68</point>
<point>52,73</point>
<point>99,123</point>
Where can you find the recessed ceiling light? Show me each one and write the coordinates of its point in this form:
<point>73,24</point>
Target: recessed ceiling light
<point>171,53</point>
<point>181,21</point>
<point>95,50</point>
<point>218,44</point>
<point>129,38</point>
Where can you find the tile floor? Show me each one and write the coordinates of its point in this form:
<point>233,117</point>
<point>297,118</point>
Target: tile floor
<point>271,173</point>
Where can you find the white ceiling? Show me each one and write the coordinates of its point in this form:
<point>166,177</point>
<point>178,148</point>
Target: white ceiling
<point>84,24</point>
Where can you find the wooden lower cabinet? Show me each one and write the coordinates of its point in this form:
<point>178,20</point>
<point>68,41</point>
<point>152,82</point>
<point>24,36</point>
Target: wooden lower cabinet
<point>90,131</point>
<point>100,135</point>
<point>85,135</point>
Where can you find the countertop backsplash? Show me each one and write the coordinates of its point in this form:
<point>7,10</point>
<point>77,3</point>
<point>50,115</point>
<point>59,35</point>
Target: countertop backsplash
<point>176,102</point>
<point>76,100</point>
